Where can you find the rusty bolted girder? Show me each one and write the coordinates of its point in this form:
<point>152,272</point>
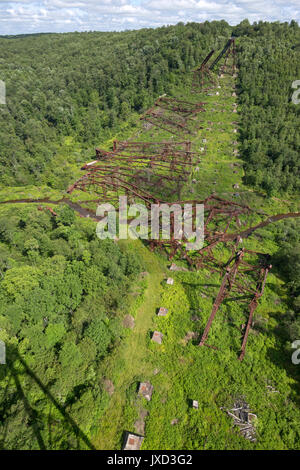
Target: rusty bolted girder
<point>151,148</point>
<point>202,75</point>
<point>173,115</point>
<point>117,171</point>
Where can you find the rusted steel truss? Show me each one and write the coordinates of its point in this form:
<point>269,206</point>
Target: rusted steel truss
<point>244,278</point>
<point>228,49</point>
<point>203,79</point>
<point>173,115</point>
<point>166,160</point>
<point>175,124</point>
<point>114,170</point>
<point>227,67</point>
<point>226,222</point>
<point>152,148</point>
<point>185,108</point>
<point>223,220</point>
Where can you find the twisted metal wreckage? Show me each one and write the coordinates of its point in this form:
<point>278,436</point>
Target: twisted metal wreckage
<point>174,116</point>
<point>136,168</point>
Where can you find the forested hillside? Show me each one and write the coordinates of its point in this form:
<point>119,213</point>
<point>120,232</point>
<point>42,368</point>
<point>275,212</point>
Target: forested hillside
<point>84,85</point>
<point>269,62</point>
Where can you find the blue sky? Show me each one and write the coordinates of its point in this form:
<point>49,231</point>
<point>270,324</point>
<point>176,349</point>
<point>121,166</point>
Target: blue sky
<point>32,16</point>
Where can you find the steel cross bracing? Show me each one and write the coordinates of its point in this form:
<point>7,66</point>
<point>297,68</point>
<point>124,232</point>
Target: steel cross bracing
<point>203,79</point>
<point>174,116</point>
<point>165,157</point>
<point>114,170</point>
<point>163,148</point>
<point>133,167</point>
<point>244,278</point>
<point>203,76</point>
<point>223,220</point>
<point>229,49</point>
<point>226,67</point>
<point>186,108</point>
<point>223,224</point>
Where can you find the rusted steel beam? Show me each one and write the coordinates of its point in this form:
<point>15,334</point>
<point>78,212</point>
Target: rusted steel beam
<point>165,147</point>
<point>156,147</point>
<point>206,59</point>
<point>230,283</point>
<point>182,158</point>
<point>203,80</point>
<point>202,73</point>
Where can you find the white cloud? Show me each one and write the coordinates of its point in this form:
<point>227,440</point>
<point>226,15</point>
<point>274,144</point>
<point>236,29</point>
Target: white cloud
<point>28,16</point>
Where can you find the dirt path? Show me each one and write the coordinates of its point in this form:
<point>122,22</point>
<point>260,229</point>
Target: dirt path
<point>132,356</point>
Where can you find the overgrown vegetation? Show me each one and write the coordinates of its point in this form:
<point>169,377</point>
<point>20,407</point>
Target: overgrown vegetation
<point>84,86</point>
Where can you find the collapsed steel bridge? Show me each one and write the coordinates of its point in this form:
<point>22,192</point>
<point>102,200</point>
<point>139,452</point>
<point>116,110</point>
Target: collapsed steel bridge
<point>225,223</point>
<point>185,108</point>
<point>114,171</point>
<point>151,148</point>
<point>244,278</point>
<point>133,167</point>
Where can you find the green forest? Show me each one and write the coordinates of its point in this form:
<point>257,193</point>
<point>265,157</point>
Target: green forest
<point>73,364</point>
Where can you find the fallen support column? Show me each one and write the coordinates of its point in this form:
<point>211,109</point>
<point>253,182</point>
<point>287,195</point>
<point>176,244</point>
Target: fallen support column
<point>225,288</point>
<point>252,307</point>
